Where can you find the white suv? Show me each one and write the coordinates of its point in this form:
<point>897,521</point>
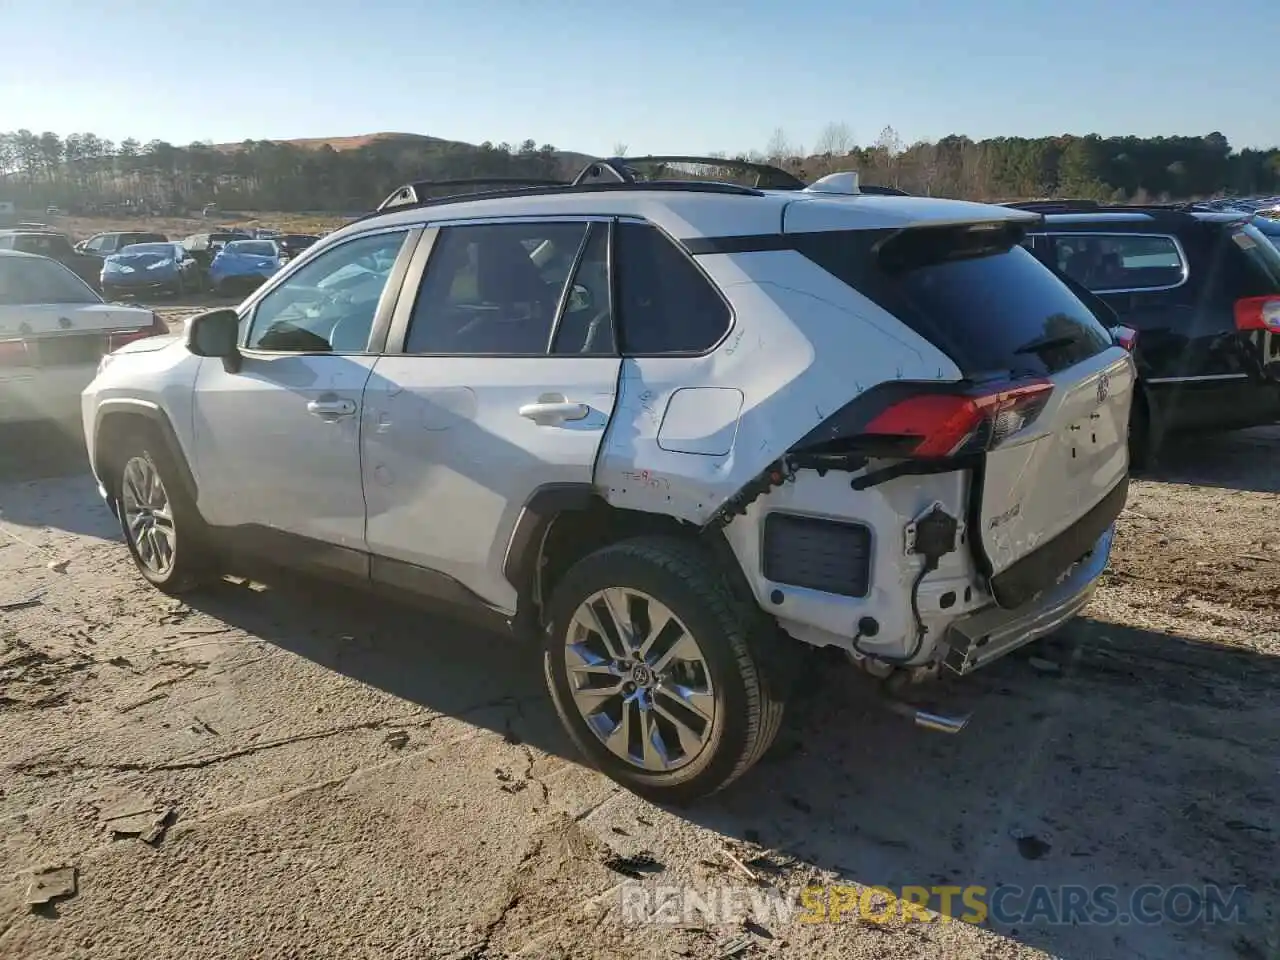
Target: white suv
<point>670,428</point>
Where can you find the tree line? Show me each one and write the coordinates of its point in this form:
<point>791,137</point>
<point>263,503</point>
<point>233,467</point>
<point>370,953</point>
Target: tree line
<point>84,173</point>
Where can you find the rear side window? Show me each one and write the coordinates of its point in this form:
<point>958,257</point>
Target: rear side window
<point>989,305</point>
<point>1107,262</point>
<point>665,303</point>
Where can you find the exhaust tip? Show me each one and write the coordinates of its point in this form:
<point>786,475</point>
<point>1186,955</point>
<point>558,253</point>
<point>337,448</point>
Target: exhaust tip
<point>940,722</point>
<point>929,719</point>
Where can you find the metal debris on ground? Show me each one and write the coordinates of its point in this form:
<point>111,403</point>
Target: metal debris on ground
<point>51,883</point>
<point>734,947</point>
<point>21,603</point>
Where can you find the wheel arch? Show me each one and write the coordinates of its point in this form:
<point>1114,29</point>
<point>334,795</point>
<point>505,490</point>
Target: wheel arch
<point>563,522</point>
<point>117,418</point>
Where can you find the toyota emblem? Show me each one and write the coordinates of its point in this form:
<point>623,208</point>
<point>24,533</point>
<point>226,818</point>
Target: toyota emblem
<point>1104,388</point>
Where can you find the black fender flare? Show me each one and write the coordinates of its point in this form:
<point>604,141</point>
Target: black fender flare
<point>548,501</point>
<point>128,407</point>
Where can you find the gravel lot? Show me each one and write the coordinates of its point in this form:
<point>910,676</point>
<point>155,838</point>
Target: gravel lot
<point>296,771</point>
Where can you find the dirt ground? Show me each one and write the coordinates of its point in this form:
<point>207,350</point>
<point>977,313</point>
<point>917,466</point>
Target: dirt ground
<point>291,770</point>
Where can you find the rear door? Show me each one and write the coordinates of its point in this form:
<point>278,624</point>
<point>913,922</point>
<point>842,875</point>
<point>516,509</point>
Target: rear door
<point>500,378</point>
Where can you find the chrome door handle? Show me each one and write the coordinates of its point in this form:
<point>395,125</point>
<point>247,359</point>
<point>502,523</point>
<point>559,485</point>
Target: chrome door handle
<point>554,411</point>
<point>331,409</point>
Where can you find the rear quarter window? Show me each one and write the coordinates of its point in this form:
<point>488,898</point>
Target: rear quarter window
<point>666,305</point>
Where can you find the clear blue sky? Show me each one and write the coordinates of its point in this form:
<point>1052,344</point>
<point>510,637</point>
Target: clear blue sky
<point>657,75</point>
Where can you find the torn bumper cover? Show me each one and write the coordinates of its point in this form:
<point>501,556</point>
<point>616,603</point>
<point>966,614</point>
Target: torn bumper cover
<point>990,633</point>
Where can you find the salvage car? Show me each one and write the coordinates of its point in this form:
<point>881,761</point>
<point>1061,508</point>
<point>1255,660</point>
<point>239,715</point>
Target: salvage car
<point>243,265</point>
<point>1200,291</point>
<point>672,431</point>
<point>102,245</point>
<point>151,268</point>
<point>54,331</point>
<point>56,246</point>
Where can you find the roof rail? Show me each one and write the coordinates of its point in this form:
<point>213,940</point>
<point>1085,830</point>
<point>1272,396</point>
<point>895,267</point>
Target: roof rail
<point>624,170</point>
<point>416,193</point>
<point>525,188</point>
<point>1052,206</point>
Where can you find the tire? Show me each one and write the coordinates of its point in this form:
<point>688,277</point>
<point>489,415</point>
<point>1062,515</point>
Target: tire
<point>189,558</point>
<point>1142,438</point>
<point>732,640</point>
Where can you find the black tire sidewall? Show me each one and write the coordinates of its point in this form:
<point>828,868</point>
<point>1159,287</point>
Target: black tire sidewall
<point>720,757</point>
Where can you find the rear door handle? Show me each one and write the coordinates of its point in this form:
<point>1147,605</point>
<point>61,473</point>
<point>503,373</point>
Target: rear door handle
<point>554,411</point>
<point>331,409</point>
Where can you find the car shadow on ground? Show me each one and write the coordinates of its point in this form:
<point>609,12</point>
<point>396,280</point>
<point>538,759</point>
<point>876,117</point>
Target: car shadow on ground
<point>1142,758</point>
<point>1246,460</point>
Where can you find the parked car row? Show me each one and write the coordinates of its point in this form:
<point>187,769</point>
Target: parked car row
<point>120,263</point>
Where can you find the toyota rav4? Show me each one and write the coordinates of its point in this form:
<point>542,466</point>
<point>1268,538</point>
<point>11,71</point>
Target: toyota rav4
<point>671,428</point>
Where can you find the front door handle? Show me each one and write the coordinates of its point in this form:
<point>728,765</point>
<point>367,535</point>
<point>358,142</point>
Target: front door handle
<point>547,411</point>
<point>331,409</point>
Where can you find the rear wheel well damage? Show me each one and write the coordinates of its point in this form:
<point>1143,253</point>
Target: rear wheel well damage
<point>548,542</point>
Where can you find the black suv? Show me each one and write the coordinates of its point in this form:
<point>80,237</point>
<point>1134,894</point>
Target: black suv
<point>1200,289</point>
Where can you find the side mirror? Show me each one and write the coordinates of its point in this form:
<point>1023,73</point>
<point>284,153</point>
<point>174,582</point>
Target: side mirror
<point>216,334</point>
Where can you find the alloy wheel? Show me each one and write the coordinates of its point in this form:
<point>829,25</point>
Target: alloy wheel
<point>639,679</point>
<point>148,515</point>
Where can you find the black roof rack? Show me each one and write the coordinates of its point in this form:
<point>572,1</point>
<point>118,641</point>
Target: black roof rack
<point>626,170</point>
<point>418,192</point>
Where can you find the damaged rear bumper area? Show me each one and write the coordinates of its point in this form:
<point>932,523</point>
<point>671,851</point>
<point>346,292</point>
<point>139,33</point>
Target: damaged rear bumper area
<point>976,640</point>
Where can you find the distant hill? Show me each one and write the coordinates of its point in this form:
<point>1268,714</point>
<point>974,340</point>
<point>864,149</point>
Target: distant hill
<point>341,144</point>
<point>346,143</point>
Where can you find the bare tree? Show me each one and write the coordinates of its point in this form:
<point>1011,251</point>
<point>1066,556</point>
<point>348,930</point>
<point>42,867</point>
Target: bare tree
<point>619,150</point>
<point>835,140</point>
<point>778,149</point>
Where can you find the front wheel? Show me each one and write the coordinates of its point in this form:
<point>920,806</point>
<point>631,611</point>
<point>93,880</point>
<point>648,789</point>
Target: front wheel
<point>658,671</point>
<point>160,523</point>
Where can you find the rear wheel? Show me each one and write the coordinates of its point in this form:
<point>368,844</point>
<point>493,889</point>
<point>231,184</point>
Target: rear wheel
<point>1142,447</point>
<point>658,672</point>
<point>161,526</point>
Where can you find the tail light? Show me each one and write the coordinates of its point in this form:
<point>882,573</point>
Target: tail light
<point>913,421</point>
<point>1126,337</point>
<point>1258,313</point>
<point>938,425</point>
<point>13,353</point>
<point>118,338</point>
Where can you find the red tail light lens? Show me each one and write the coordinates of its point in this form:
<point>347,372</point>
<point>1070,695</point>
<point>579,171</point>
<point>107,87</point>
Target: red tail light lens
<point>13,353</point>
<point>939,425</point>
<point>1125,337</point>
<point>1258,313</point>
<point>118,338</point>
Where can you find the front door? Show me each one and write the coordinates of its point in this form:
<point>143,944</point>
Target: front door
<point>505,383</point>
<point>277,442</point>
